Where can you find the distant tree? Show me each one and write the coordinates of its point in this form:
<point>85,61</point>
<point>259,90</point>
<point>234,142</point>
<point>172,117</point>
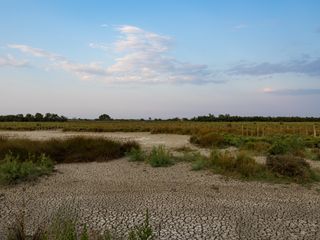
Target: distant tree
<point>104,117</point>
<point>38,117</point>
<point>29,117</point>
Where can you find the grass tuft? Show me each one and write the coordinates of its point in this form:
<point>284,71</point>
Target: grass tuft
<point>160,157</point>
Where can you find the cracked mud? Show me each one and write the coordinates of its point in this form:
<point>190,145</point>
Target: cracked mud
<point>183,204</point>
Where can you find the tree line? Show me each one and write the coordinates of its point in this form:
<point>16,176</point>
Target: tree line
<point>229,118</point>
<point>52,117</point>
<point>38,117</point>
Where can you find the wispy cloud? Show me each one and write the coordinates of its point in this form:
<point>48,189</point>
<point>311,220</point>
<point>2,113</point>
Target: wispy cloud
<point>84,71</point>
<point>293,92</point>
<point>101,46</point>
<point>240,26</point>
<point>303,66</point>
<point>104,25</point>
<point>11,61</point>
<point>142,58</point>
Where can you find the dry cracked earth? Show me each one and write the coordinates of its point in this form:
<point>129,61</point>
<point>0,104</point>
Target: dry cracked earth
<point>183,204</point>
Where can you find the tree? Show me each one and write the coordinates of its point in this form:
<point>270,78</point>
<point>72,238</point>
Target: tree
<point>104,117</point>
<point>38,117</point>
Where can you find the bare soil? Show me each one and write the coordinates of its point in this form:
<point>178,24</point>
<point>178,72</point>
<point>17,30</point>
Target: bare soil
<point>183,204</point>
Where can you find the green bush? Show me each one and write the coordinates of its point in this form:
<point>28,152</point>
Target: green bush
<point>240,164</point>
<point>283,145</point>
<point>199,162</point>
<point>136,155</point>
<point>14,170</point>
<point>160,157</point>
<point>293,167</point>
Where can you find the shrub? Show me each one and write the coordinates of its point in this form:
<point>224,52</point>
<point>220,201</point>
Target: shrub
<point>284,145</point>
<point>160,157</point>
<point>222,160</point>
<point>136,155</point>
<point>14,170</point>
<point>246,165</point>
<point>241,163</point>
<point>199,162</point>
<point>290,166</point>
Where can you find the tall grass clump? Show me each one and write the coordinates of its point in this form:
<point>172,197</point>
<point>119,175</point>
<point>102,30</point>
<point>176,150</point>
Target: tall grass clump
<point>14,169</point>
<point>240,164</point>
<point>160,157</point>
<point>75,149</point>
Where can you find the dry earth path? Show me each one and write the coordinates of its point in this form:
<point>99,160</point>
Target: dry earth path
<point>183,204</point>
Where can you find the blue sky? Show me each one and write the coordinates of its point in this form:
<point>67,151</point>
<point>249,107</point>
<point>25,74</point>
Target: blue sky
<point>134,59</point>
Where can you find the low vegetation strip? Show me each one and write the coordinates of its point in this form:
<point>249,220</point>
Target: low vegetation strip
<point>24,159</point>
<point>248,129</point>
<point>75,149</point>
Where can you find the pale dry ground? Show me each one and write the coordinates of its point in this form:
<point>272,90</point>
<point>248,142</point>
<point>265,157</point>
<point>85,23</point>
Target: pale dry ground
<point>183,204</point>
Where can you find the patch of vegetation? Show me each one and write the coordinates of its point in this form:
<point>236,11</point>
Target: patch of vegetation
<point>208,140</point>
<point>259,147</point>
<point>184,149</point>
<point>160,157</point>
<point>199,162</point>
<point>13,169</point>
<point>295,168</point>
<point>137,155</point>
<point>240,164</point>
<point>143,231</point>
<point>313,154</point>
<point>65,227</point>
<point>290,144</point>
<point>75,149</point>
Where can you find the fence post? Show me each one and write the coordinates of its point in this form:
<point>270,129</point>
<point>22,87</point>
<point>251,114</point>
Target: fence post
<point>314,130</point>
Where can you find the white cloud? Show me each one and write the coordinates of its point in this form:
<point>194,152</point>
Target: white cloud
<point>143,58</point>
<point>12,62</point>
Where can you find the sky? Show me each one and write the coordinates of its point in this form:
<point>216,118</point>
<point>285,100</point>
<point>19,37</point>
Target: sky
<point>160,59</point>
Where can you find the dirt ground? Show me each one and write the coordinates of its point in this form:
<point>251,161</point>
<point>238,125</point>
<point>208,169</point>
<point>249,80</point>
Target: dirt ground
<point>183,204</point>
